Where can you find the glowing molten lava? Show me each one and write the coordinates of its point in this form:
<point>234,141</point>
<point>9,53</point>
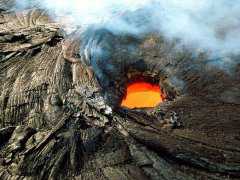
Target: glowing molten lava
<point>142,95</point>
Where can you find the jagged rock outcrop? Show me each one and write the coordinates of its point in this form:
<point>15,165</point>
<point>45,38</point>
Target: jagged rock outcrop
<point>60,116</point>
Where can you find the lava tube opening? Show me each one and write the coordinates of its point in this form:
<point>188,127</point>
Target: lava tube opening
<point>142,94</point>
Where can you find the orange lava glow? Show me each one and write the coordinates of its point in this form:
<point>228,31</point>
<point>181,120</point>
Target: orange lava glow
<point>142,95</point>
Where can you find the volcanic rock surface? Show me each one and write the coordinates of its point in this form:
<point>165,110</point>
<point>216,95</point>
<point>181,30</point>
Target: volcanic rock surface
<point>60,114</point>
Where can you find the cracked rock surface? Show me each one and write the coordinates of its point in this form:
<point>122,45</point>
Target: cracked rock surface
<point>60,115</point>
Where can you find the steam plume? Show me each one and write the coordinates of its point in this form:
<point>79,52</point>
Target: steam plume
<point>206,24</point>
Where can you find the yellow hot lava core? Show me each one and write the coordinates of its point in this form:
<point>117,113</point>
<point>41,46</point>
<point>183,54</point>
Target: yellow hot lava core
<point>142,95</point>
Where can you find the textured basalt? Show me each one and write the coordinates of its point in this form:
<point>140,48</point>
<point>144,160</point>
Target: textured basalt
<point>59,106</point>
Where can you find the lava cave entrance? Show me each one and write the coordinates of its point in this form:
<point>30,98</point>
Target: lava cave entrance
<point>142,94</point>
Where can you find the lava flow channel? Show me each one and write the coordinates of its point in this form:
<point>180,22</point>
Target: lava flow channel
<point>142,95</point>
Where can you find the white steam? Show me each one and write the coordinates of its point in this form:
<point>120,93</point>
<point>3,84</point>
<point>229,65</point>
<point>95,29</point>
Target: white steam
<point>212,25</point>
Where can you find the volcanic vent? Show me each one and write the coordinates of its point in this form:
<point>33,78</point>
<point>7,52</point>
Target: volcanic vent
<point>142,94</point>
<point>55,123</point>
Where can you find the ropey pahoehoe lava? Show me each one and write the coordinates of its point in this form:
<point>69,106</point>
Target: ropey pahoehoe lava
<point>119,90</point>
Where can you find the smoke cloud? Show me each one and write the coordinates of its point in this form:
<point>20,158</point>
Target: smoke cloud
<point>208,25</point>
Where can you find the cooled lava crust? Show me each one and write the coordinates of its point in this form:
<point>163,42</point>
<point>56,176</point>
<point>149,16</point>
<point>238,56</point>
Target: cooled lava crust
<point>60,113</point>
